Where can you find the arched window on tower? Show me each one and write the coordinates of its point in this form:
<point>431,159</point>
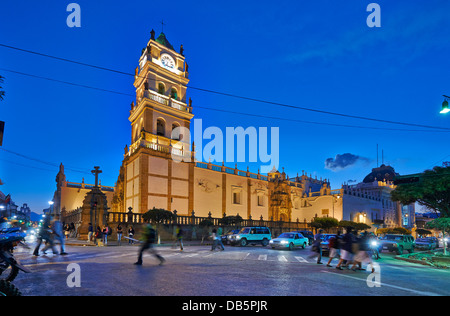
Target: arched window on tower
<point>161,88</point>
<point>174,94</point>
<point>176,132</point>
<point>160,127</point>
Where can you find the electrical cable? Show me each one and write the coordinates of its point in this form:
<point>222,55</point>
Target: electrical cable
<point>232,95</point>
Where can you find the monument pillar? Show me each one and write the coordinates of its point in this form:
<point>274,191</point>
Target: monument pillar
<point>94,209</point>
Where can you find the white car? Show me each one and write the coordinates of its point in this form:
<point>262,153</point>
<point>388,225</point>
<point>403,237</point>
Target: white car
<point>289,240</point>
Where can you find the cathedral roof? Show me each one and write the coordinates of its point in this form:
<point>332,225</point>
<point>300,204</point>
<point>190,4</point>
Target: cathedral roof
<point>163,41</point>
<point>382,173</point>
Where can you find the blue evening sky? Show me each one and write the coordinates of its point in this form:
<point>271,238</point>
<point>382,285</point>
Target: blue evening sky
<point>315,54</point>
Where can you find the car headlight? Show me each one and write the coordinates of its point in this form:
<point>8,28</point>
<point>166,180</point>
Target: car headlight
<point>238,237</point>
<point>374,243</point>
<point>284,242</point>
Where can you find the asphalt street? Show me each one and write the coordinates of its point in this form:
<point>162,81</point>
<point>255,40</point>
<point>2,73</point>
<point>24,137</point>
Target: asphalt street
<point>237,271</point>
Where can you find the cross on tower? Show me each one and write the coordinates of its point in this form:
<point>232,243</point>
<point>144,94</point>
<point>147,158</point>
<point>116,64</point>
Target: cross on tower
<point>96,171</point>
<point>162,26</point>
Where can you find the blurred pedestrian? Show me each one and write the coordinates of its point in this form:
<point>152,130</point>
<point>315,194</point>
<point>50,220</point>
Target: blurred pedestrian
<point>179,237</point>
<point>317,247</point>
<point>149,238</point>
<point>66,231</point>
<point>105,232</point>
<point>57,228</point>
<point>333,245</point>
<point>364,253</point>
<point>346,249</point>
<point>98,235</point>
<point>90,232</point>
<point>45,233</point>
<point>216,238</point>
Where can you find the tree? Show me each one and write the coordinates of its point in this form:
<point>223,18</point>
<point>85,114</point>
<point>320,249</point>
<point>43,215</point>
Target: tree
<point>158,215</point>
<point>231,220</point>
<point>431,191</point>
<point>442,224</point>
<point>354,225</point>
<point>2,92</point>
<point>324,223</point>
<point>394,230</point>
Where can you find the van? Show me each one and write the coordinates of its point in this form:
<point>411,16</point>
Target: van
<point>251,235</point>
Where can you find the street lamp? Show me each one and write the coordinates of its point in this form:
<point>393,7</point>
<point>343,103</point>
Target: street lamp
<point>445,106</point>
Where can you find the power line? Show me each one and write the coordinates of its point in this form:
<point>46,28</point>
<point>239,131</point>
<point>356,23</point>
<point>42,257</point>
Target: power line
<point>45,162</point>
<point>65,82</point>
<point>232,95</point>
<point>228,111</point>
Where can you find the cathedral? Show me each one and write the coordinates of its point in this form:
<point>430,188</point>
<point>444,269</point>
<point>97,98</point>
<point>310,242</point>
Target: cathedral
<point>159,169</point>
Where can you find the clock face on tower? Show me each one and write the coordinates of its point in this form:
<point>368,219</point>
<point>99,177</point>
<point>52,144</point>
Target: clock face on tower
<point>167,61</point>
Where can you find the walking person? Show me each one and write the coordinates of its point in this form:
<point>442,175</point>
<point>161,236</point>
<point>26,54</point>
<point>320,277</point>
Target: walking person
<point>179,237</point>
<point>119,234</point>
<point>105,233</point>
<point>98,235</point>
<point>346,250</point>
<point>219,238</point>
<point>364,253</point>
<point>333,245</point>
<point>45,233</point>
<point>90,232</point>
<point>130,235</point>
<point>58,231</point>
<point>149,236</point>
<point>317,247</point>
<point>216,238</point>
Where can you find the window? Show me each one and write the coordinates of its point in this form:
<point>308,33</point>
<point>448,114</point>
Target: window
<point>161,88</point>
<point>260,200</point>
<point>176,132</point>
<point>236,197</point>
<point>160,127</point>
<point>174,94</point>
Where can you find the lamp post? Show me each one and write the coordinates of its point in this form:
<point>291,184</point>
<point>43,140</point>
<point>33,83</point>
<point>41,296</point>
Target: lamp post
<point>445,106</point>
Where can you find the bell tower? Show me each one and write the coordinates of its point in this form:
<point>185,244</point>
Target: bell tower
<point>157,169</point>
<point>160,80</point>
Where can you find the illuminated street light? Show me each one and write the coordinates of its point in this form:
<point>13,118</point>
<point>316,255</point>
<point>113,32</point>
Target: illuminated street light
<point>445,106</point>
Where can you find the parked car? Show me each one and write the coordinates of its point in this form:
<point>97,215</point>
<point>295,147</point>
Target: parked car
<point>427,243</point>
<point>251,235</point>
<point>227,236</point>
<point>398,243</point>
<point>326,241</point>
<point>308,234</point>
<point>289,240</point>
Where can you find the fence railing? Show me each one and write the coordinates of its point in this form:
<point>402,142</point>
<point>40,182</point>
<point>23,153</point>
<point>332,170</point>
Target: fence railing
<point>137,218</point>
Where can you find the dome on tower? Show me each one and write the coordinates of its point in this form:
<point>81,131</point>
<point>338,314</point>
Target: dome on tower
<point>382,173</point>
<point>163,41</point>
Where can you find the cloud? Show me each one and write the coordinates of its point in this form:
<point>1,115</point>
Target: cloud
<point>343,161</point>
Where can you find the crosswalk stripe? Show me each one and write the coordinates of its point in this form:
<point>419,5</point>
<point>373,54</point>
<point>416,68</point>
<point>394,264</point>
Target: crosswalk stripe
<point>282,258</point>
<point>262,257</point>
<point>301,259</point>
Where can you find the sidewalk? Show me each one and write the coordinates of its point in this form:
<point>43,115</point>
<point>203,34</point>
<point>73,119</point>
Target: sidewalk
<point>114,243</point>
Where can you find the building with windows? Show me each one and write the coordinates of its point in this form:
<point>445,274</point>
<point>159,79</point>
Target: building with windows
<point>159,169</point>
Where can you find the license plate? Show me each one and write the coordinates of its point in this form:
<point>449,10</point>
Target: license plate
<point>385,247</point>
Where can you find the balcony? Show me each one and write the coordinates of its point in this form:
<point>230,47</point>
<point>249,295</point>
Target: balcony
<point>163,145</point>
<point>165,100</point>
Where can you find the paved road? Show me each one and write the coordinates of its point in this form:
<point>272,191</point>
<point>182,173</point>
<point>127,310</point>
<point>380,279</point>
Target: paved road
<point>237,271</point>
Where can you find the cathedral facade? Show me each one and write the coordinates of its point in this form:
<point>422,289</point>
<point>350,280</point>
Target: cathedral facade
<point>159,169</point>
